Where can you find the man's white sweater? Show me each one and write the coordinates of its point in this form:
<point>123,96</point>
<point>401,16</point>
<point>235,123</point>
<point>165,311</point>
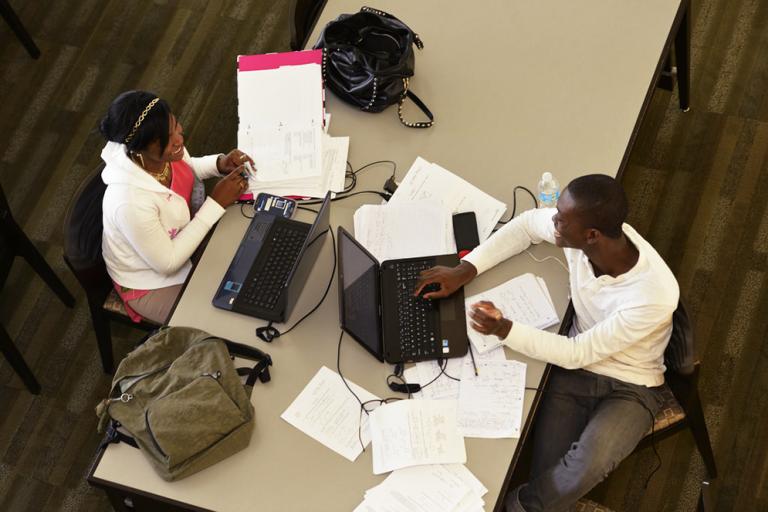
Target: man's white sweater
<point>622,323</point>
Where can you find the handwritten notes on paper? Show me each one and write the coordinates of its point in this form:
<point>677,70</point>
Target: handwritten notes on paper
<point>491,402</point>
<point>429,181</point>
<point>412,432</point>
<point>389,232</point>
<point>524,299</point>
<point>327,412</point>
<point>445,385</point>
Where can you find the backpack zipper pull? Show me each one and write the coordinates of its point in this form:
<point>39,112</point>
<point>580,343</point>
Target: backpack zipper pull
<point>125,398</point>
<point>214,376</point>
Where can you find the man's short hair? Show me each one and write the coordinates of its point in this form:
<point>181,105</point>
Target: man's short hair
<point>600,202</point>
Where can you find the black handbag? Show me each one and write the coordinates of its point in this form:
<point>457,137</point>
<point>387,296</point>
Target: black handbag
<point>368,60</point>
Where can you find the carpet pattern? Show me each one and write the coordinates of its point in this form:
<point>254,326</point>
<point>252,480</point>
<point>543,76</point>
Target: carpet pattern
<point>697,184</point>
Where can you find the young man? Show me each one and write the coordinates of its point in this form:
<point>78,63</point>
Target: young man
<point>603,392</point>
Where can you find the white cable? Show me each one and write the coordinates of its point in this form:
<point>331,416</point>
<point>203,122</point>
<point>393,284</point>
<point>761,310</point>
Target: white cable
<point>537,260</point>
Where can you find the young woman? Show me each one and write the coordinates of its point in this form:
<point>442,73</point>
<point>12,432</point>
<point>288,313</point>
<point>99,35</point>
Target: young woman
<point>150,231</point>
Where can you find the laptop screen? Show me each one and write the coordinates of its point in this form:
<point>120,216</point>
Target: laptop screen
<point>359,293</point>
<point>297,279</point>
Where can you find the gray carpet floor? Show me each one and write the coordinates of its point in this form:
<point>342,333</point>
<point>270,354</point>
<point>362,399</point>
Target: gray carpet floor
<point>697,184</point>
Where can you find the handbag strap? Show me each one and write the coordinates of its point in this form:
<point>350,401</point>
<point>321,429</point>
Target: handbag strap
<point>416,38</point>
<point>409,94</point>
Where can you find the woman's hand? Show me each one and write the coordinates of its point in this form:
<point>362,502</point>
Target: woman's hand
<point>231,161</point>
<point>487,319</point>
<point>229,188</point>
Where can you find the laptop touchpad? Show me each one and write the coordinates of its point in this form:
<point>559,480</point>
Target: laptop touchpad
<point>447,309</point>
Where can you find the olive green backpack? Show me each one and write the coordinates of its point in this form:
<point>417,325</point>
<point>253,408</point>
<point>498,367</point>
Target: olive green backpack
<point>179,398</point>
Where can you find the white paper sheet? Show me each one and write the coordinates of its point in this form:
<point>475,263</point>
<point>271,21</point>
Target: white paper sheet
<point>412,432</point>
<point>446,388</point>
<point>285,94</point>
<point>284,152</point>
<point>327,412</point>
<point>432,487</point>
<point>523,299</point>
<point>405,230</point>
<point>427,180</point>
<point>335,150</point>
<point>491,402</point>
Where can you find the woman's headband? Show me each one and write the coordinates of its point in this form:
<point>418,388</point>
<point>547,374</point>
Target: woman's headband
<point>140,120</point>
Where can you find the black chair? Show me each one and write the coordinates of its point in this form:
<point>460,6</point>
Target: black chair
<point>682,405</point>
<point>683,409</point>
<point>10,17</point>
<point>13,242</point>
<point>82,253</point>
<point>680,72</point>
<point>302,16</point>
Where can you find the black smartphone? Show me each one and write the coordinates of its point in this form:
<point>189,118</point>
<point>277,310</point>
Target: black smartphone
<point>465,231</point>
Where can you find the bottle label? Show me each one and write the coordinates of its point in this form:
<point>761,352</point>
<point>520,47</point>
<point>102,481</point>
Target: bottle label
<point>549,199</point>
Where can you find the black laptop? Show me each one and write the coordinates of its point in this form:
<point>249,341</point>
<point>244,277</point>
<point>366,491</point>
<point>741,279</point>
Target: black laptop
<point>378,309</point>
<point>271,266</point>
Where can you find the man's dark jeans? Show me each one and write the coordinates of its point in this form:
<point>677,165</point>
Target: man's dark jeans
<point>586,425</point>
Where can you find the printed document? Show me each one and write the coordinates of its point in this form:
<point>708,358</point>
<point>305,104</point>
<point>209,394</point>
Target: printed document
<point>412,432</point>
<point>389,232</point>
<point>327,412</point>
<point>524,299</point>
<point>491,402</point>
<point>283,152</point>
<point>427,180</point>
<point>428,488</point>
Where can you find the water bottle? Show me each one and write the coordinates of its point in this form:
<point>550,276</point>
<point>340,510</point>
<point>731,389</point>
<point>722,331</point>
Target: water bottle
<point>549,191</point>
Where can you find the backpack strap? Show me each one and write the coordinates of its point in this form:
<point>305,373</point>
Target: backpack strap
<point>115,436</point>
<point>259,371</point>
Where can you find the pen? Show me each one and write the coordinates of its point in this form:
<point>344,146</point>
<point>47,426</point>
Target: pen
<point>472,356</point>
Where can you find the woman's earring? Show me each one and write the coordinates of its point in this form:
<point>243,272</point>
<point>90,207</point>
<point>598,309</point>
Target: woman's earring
<point>142,160</point>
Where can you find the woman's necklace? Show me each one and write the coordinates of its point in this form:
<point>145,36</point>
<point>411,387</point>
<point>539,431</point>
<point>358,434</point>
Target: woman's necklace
<point>161,176</point>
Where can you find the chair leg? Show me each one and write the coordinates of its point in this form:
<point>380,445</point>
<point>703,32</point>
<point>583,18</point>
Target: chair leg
<point>103,336</point>
<point>695,417</point>
<point>705,498</point>
<point>12,354</point>
<point>18,28</point>
<point>682,60</point>
<point>30,253</point>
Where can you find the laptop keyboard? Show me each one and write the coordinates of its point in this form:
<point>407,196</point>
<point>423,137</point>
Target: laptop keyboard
<point>270,271</point>
<point>418,318</point>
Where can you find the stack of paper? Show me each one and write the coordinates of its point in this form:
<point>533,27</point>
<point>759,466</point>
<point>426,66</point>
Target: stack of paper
<point>432,488</point>
<point>281,115</point>
<point>446,384</point>
<point>524,299</point>
<point>327,412</point>
<point>389,232</point>
<point>427,180</point>
<point>413,432</point>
